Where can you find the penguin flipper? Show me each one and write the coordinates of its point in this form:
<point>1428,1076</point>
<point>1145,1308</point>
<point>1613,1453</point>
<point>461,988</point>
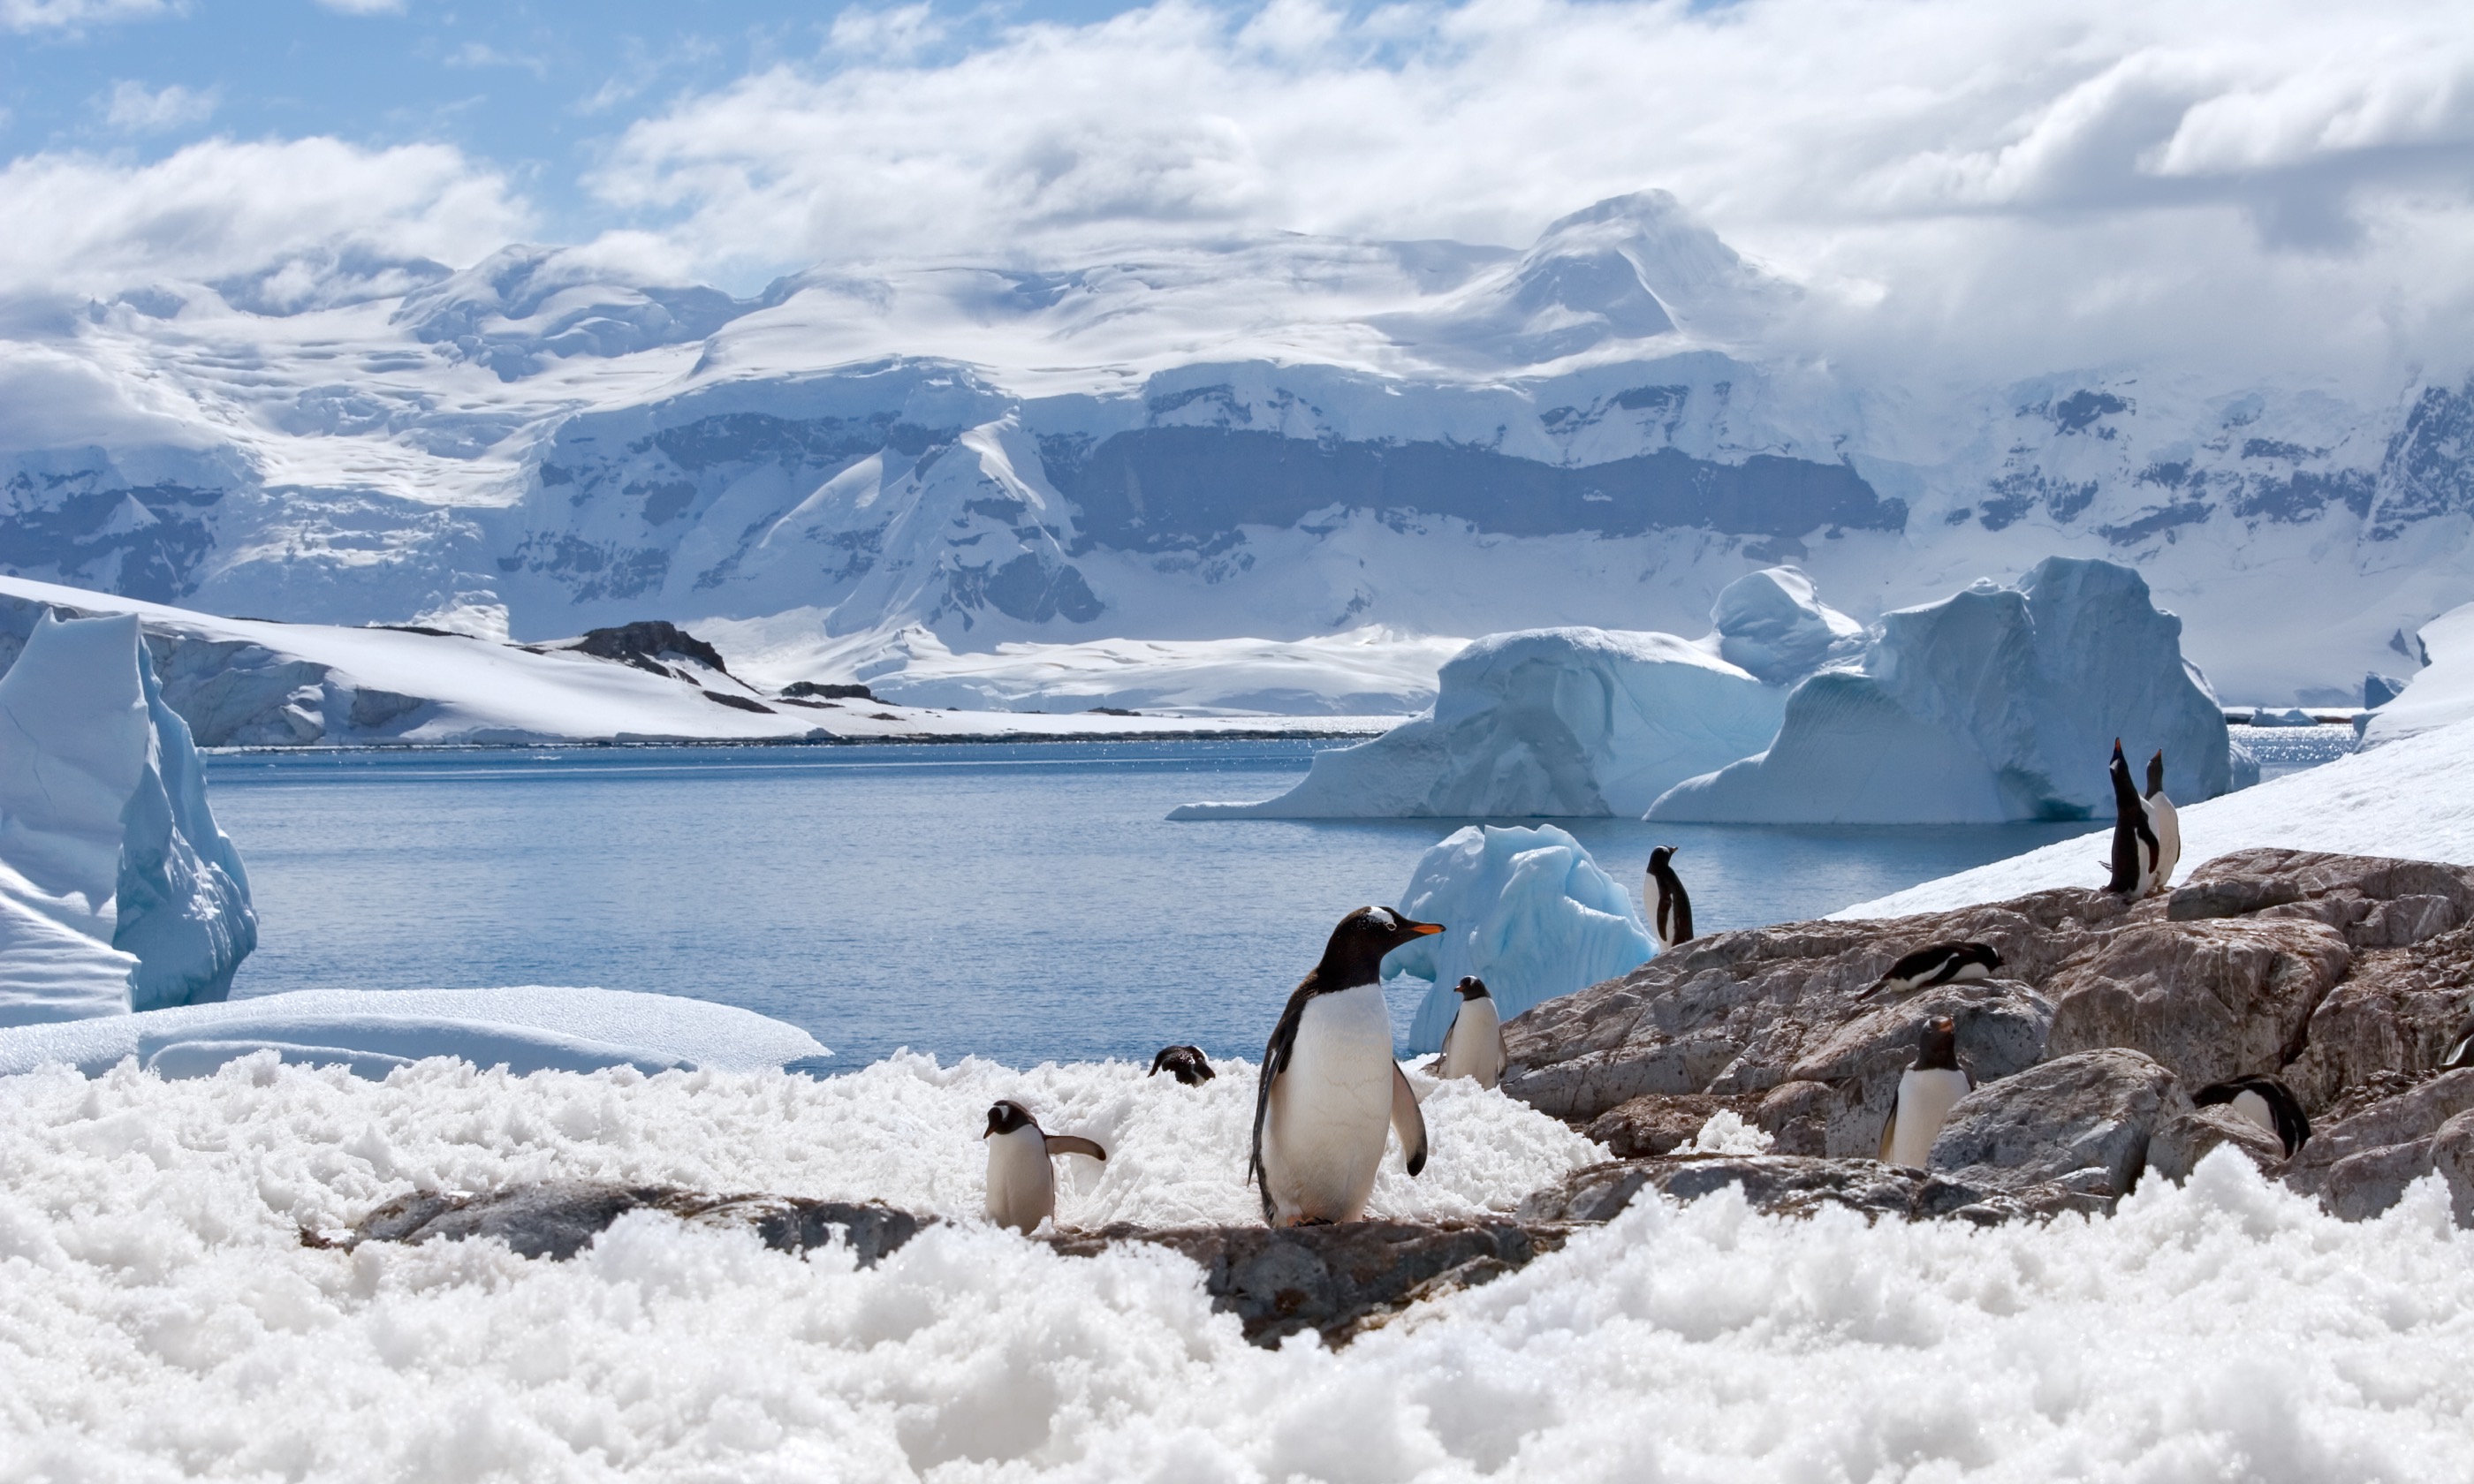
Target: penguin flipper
<point>1074,1143</point>
<point>1407,1121</point>
<point>1889,1132</point>
<point>1276,1060</point>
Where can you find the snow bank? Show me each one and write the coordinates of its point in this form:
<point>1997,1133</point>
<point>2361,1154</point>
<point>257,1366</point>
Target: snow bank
<point>2413,798</point>
<point>1541,722</point>
<point>106,832</point>
<point>151,1234</point>
<point>372,1032</point>
<point>1996,704</point>
<point>2441,694</point>
<point>1524,909</point>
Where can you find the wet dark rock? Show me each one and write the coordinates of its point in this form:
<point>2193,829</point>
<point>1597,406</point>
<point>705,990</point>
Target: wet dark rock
<point>1800,1186</point>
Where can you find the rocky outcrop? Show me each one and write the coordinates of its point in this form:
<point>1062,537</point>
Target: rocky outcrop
<point>1799,1186</point>
<point>2360,1165</point>
<point>2085,1120</point>
<point>559,1218</point>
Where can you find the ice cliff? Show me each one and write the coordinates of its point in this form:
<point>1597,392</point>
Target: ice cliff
<point>1995,704</point>
<point>117,890</point>
<point>1524,909</point>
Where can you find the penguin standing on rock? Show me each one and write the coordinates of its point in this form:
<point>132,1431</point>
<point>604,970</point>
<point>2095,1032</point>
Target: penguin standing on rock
<point>2165,821</point>
<point>1473,1048</point>
<point>1185,1064</point>
<point>2134,839</point>
<point>1927,1091</point>
<point>1670,909</point>
<point>1022,1186</point>
<point>1943,963</point>
<point>2265,1101</point>
<point>1328,1088</point>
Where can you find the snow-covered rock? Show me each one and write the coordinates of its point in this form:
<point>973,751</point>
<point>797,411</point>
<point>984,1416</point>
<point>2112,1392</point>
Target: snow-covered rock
<point>1543,721</point>
<point>1524,909</point>
<point>106,832</point>
<point>1995,704</point>
<point>1772,624</point>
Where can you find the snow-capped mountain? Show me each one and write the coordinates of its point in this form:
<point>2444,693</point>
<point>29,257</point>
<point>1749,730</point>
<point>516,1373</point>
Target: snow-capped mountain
<point>1280,438</point>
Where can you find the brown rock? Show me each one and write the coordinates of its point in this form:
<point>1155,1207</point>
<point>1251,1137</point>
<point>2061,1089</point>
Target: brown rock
<point>2087,1119</point>
<point>1795,1186</point>
<point>2181,1140</point>
<point>2397,1011</point>
<point>2358,1167</point>
<point>2208,999</point>
<point>2001,1029</point>
<point>1656,1123</point>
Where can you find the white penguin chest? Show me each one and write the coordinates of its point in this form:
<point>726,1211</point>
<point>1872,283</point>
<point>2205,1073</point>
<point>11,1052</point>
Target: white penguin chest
<point>1331,1107</point>
<point>1474,1048</point>
<point>2250,1105</point>
<point>1926,1097</point>
<point>1022,1183</point>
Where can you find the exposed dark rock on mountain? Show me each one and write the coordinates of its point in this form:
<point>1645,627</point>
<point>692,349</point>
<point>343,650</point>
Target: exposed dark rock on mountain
<point>646,644</point>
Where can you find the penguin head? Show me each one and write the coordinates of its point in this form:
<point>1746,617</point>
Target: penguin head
<point>1186,1064</point>
<point>1658,858</point>
<point>1008,1117</point>
<point>1939,1044</point>
<point>1354,955</point>
<point>1472,988</point>
<point>2156,773</point>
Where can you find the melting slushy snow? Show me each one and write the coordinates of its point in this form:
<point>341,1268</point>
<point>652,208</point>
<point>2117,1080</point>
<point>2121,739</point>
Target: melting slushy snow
<point>161,1318</point>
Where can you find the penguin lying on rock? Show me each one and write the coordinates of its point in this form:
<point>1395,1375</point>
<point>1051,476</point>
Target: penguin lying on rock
<point>1943,963</point>
<point>1473,1048</point>
<point>1022,1186</point>
<point>1328,1087</point>
<point>2265,1101</point>
<point>1670,907</point>
<point>1927,1091</point>
<point>1185,1064</point>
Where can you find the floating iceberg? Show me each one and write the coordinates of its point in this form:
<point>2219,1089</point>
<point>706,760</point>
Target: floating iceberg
<point>1541,722</point>
<point>1996,704</point>
<point>1774,625</point>
<point>105,835</point>
<point>1524,909</point>
<point>2289,716</point>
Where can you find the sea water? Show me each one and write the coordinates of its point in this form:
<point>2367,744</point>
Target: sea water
<point>1021,902</point>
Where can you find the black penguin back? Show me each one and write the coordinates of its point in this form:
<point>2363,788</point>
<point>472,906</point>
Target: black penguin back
<point>1672,910</point>
<point>2130,828</point>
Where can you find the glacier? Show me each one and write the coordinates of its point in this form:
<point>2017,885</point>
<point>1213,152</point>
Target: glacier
<point>1526,909</point>
<point>2441,694</point>
<point>1995,704</point>
<point>105,830</point>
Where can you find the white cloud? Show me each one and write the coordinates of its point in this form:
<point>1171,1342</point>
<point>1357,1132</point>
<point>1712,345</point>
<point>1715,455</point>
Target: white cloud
<point>365,7</point>
<point>131,106</point>
<point>77,14</point>
<point>85,226</point>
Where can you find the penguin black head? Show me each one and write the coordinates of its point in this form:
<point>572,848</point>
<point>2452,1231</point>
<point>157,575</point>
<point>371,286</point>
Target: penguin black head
<point>1658,858</point>
<point>1472,988</point>
<point>1354,955</point>
<point>1186,1064</point>
<point>2156,773</point>
<point>1938,1050</point>
<point>1008,1116</point>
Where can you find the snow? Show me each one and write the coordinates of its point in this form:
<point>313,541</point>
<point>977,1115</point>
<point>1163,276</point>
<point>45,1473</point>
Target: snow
<point>1524,909</point>
<point>1995,704</point>
<point>170,1320</point>
<point>2410,798</point>
<point>1725,1131</point>
<point>2442,693</point>
<point>107,836</point>
<point>1541,722</point>
<point>528,1028</point>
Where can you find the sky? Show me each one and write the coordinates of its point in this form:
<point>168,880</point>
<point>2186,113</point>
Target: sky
<point>2070,180</point>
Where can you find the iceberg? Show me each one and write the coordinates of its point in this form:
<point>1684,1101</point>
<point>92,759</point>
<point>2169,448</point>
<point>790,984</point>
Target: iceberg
<point>105,835</point>
<point>1772,624</point>
<point>1524,909</point>
<point>1996,704</point>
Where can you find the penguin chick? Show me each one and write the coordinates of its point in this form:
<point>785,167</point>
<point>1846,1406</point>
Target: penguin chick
<point>2165,821</point>
<point>1670,906</point>
<point>2134,839</point>
<point>1185,1064</point>
<point>1473,1048</point>
<point>1927,1091</point>
<point>1943,963</point>
<point>2265,1101</point>
<point>1328,1088</point>
<point>1022,1186</point>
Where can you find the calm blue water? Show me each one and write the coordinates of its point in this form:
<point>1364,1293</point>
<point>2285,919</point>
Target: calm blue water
<point>1021,902</point>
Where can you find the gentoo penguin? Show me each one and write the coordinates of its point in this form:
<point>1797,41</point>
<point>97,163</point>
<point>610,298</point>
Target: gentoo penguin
<point>1022,1188</point>
<point>1926,1093</point>
<point>1670,909</point>
<point>1183,1063</point>
<point>2460,1051</point>
<point>1329,1087</point>
<point>1473,1048</point>
<point>2134,842</point>
<point>1943,963</point>
<point>2265,1101</point>
<point>2165,819</point>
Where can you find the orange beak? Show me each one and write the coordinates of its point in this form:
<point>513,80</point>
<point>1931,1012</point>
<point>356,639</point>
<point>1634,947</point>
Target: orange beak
<point>1421,929</point>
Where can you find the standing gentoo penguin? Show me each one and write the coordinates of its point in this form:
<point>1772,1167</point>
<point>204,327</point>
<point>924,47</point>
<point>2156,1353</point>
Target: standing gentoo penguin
<point>2134,841</point>
<point>2265,1101</point>
<point>1183,1063</point>
<point>1670,909</point>
<point>1943,963</point>
<point>2165,819</point>
<point>1926,1093</point>
<point>1022,1188</point>
<point>1473,1048</point>
<point>1328,1086</point>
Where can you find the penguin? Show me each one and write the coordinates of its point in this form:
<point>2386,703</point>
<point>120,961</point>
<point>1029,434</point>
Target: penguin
<point>1328,1086</point>
<point>1943,963</point>
<point>1473,1048</point>
<point>2134,841</point>
<point>1022,1188</point>
<point>2460,1051</point>
<point>1183,1063</point>
<point>2165,819</point>
<point>2265,1101</point>
<point>1670,908</point>
<point>1926,1093</point>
